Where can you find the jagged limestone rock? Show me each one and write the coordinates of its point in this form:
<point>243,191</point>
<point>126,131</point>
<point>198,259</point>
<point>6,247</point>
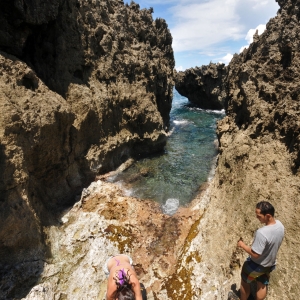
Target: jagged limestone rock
<point>259,146</point>
<point>204,86</point>
<point>89,86</point>
<point>193,254</point>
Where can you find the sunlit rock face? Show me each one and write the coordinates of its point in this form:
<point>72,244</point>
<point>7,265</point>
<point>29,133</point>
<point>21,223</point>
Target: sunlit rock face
<point>106,222</point>
<point>204,86</point>
<point>190,255</point>
<point>85,85</point>
<point>259,146</point>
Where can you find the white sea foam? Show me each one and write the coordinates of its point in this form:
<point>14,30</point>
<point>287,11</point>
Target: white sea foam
<point>127,192</point>
<point>171,206</point>
<point>213,169</point>
<point>218,112</point>
<point>178,122</point>
<point>170,132</point>
<point>111,178</point>
<point>181,122</point>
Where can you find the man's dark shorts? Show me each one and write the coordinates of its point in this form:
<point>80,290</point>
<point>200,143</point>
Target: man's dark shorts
<point>251,271</point>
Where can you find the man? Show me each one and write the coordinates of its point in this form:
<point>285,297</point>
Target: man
<point>262,253</point>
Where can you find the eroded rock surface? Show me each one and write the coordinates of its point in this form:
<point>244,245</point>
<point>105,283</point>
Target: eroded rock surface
<point>85,85</point>
<point>258,160</point>
<point>204,86</point>
<point>193,254</point>
<point>105,222</point>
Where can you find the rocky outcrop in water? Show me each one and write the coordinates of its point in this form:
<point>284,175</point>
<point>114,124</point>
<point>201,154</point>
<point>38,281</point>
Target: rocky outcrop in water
<point>204,86</point>
<point>85,85</point>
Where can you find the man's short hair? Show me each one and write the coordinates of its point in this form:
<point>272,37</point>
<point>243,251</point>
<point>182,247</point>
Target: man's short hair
<point>266,208</point>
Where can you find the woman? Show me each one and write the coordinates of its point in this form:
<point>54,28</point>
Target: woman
<point>123,283</point>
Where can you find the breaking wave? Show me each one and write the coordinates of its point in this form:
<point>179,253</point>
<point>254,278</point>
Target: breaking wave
<point>181,122</point>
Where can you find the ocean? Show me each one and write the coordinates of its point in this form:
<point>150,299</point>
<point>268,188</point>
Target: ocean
<point>174,176</point>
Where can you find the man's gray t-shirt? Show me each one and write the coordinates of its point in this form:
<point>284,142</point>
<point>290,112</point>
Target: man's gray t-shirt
<point>267,242</point>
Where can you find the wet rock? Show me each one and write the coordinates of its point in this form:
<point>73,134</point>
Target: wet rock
<point>145,172</point>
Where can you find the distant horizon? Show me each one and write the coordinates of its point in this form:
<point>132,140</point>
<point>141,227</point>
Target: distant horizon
<point>207,31</point>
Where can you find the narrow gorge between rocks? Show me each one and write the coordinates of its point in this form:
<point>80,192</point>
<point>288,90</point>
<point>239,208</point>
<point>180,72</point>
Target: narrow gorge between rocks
<point>86,86</point>
<point>174,176</point>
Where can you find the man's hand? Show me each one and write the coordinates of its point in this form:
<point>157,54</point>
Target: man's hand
<point>248,249</point>
<point>241,244</point>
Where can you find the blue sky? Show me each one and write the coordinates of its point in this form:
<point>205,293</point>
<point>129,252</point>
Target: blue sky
<point>211,30</point>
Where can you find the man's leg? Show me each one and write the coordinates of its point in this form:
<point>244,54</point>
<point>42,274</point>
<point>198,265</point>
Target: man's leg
<point>245,290</point>
<point>262,289</point>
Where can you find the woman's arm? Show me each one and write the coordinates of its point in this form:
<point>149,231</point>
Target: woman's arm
<point>111,288</point>
<point>136,287</point>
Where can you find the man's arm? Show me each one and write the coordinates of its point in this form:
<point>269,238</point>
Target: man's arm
<point>248,249</point>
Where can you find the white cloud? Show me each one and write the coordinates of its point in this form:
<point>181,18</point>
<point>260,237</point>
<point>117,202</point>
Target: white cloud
<point>260,28</point>
<point>249,37</point>
<point>243,48</point>
<point>227,58</point>
<point>151,2</point>
<point>260,3</point>
<point>200,24</point>
<point>207,30</point>
<point>180,68</point>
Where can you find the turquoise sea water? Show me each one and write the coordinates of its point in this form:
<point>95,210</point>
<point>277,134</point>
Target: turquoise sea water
<point>173,177</point>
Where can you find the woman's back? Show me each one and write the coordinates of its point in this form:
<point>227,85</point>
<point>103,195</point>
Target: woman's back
<point>122,279</point>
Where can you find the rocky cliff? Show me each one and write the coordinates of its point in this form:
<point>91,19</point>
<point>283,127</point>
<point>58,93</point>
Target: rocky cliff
<point>191,255</point>
<point>85,85</point>
<point>204,86</point>
<point>258,160</point>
